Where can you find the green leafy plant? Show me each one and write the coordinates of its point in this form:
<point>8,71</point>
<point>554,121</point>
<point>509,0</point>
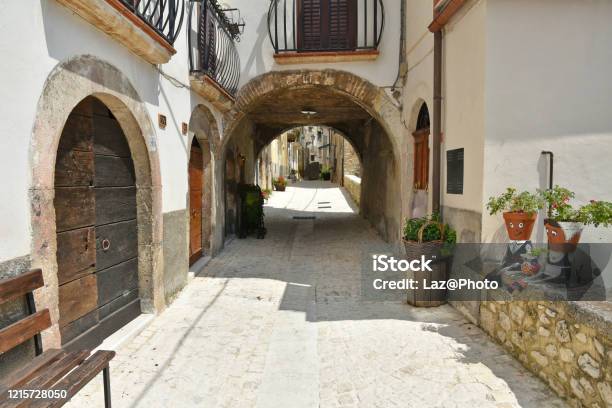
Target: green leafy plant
<point>536,252</point>
<point>431,232</point>
<point>594,213</point>
<point>511,201</point>
<point>325,173</point>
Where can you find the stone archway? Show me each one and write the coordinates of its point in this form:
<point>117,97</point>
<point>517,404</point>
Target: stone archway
<point>275,100</point>
<point>69,83</point>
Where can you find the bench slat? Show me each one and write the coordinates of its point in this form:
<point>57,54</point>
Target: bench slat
<point>24,329</point>
<point>49,376</point>
<point>57,371</point>
<point>25,374</point>
<point>77,379</point>
<point>20,285</point>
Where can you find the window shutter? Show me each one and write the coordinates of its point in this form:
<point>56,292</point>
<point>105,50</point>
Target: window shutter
<point>327,24</point>
<point>310,19</point>
<point>342,24</point>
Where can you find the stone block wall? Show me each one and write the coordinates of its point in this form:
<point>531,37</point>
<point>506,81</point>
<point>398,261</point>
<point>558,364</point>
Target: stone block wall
<point>353,186</point>
<point>567,344</point>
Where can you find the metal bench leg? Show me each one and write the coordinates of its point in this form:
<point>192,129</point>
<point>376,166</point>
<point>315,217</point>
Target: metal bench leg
<point>107,389</point>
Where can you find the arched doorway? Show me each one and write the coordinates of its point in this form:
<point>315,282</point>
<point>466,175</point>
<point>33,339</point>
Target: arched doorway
<point>96,227</point>
<point>196,180</point>
<point>421,163</point>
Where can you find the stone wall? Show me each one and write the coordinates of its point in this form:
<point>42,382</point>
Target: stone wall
<point>353,186</point>
<point>567,344</point>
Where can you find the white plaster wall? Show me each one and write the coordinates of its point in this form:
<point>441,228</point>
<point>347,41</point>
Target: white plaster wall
<point>549,88</point>
<point>463,82</point>
<point>34,37</point>
<point>256,51</point>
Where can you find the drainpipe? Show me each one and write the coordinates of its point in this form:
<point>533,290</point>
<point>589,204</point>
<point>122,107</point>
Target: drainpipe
<point>437,122</point>
<point>444,10</point>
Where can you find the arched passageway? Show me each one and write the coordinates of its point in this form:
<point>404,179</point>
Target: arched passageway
<point>276,102</point>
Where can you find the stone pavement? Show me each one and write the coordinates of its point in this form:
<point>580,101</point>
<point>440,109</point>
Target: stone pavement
<point>279,322</point>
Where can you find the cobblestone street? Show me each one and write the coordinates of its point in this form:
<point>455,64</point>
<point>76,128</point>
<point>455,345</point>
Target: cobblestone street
<point>279,322</point>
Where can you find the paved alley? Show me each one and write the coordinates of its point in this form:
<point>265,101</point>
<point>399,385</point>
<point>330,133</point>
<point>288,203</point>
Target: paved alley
<point>280,322</point>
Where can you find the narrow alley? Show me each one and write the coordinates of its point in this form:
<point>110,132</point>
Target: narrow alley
<point>279,322</point>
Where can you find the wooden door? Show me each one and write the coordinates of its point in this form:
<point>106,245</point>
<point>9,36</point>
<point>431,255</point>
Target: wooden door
<point>327,25</point>
<point>196,167</point>
<point>95,204</point>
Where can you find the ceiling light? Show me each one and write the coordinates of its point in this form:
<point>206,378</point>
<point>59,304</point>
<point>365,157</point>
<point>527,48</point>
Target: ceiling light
<point>309,111</point>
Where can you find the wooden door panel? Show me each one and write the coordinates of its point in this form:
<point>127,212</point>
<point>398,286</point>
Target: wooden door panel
<point>115,204</point>
<point>73,329</point>
<point>108,138</point>
<point>116,243</point>
<point>76,254</point>
<point>114,171</point>
<point>117,281</point>
<point>77,298</point>
<point>74,168</point>
<point>77,134</point>
<point>74,207</point>
<point>97,238</point>
<point>118,303</point>
<point>196,168</point>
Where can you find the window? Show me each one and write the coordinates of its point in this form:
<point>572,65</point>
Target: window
<point>327,25</point>
<point>454,171</point>
<point>421,150</point>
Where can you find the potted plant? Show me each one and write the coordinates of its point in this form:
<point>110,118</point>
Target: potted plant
<point>265,193</point>
<point>279,183</point>
<point>325,174</point>
<point>519,211</point>
<point>431,238</point>
<point>565,223</point>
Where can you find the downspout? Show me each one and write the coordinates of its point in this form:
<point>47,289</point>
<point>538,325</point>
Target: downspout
<point>437,123</point>
<point>444,10</point>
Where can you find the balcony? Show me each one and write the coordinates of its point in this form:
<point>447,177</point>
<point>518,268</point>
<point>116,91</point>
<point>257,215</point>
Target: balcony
<point>310,31</point>
<point>213,59</point>
<point>148,28</point>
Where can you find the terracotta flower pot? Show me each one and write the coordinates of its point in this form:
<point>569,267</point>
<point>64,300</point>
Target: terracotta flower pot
<point>279,187</point>
<point>519,225</point>
<point>563,236</point>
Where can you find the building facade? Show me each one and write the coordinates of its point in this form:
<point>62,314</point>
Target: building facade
<point>127,131</point>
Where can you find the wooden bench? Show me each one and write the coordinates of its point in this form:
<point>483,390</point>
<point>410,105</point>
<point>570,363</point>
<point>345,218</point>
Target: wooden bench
<point>55,369</point>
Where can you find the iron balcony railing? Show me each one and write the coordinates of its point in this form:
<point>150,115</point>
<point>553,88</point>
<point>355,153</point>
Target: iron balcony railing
<point>325,25</point>
<point>163,16</point>
<point>212,50</point>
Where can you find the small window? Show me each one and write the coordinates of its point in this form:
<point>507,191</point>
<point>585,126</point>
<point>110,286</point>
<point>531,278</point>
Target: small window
<point>454,171</point>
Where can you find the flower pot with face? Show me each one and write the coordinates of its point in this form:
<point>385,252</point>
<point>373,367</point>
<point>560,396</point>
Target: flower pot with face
<point>563,236</point>
<point>519,225</point>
